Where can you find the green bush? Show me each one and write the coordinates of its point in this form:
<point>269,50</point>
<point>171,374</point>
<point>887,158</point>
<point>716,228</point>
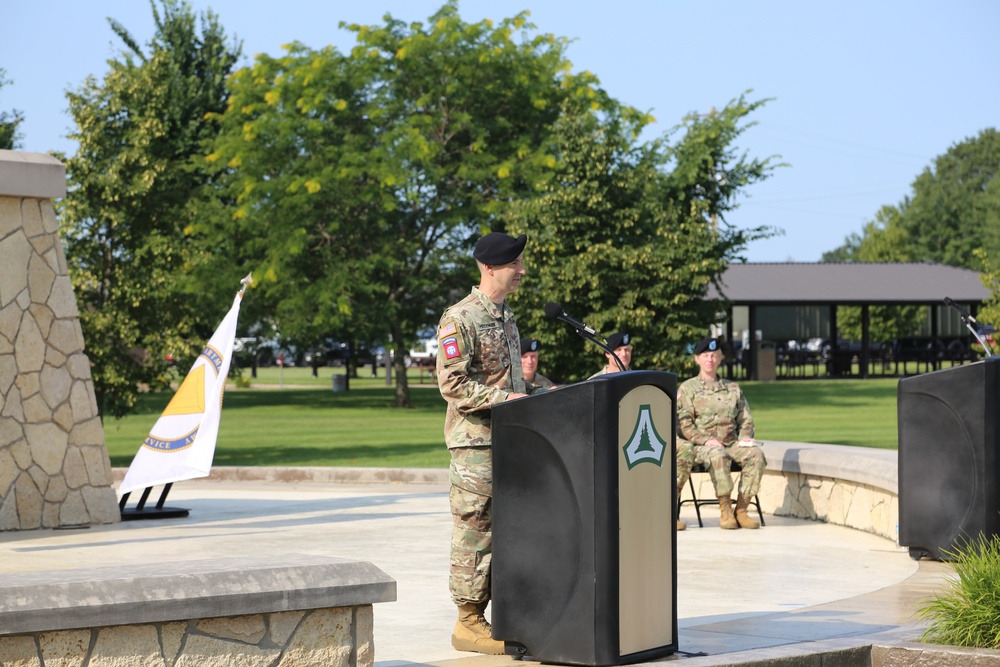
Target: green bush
<point>968,613</point>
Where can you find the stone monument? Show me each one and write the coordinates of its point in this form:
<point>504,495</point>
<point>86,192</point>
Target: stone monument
<point>54,465</point>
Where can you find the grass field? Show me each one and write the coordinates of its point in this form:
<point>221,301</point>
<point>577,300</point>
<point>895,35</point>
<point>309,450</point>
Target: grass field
<point>289,418</point>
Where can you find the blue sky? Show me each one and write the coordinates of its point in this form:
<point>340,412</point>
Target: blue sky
<point>866,94</point>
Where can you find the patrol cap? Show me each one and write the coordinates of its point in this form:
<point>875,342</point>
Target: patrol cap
<point>620,339</point>
<point>530,345</point>
<point>498,248</point>
<point>707,345</point>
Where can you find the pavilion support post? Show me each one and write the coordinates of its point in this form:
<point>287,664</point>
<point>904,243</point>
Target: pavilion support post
<point>730,358</point>
<point>831,364</point>
<point>751,361</point>
<point>935,336</point>
<point>865,336</point>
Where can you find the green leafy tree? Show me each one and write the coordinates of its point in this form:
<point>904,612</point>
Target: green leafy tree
<point>629,236</point>
<point>9,121</point>
<point>134,197</point>
<point>955,207</point>
<point>990,278</point>
<point>362,179</point>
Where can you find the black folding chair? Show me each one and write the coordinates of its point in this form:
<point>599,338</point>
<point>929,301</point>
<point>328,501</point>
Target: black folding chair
<point>698,502</point>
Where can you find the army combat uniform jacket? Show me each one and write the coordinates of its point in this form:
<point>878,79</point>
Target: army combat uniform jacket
<point>478,365</point>
<point>718,409</point>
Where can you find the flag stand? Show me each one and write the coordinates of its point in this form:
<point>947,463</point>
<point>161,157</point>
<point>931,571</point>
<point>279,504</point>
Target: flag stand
<point>140,511</point>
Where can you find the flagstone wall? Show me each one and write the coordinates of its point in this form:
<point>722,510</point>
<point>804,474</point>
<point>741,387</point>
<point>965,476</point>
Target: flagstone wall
<point>54,466</point>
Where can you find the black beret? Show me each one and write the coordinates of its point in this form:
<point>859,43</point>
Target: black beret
<point>708,345</point>
<point>530,345</point>
<point>617,340</point>
<point>498,248</point>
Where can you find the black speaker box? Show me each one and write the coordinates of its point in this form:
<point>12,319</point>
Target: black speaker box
<point>949,458</point>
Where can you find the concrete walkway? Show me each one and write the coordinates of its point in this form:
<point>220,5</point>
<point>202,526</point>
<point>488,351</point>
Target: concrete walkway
<point>772,591</point>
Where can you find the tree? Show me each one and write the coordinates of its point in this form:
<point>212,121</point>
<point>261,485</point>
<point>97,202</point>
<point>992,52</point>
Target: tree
<point>135,189</point>
<point>955,207</point>
<point>9,122</point>
<point>362,180</point>
<point>623,235</point>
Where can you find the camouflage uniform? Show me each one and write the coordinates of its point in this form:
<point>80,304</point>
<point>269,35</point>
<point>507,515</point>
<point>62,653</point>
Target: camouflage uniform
<point>541,381</point>
<point>478,365</point>
<point>718,409</point>
<point>603,371</point>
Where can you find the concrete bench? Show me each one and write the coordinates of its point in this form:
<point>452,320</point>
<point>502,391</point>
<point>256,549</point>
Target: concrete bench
<point>293,610</point>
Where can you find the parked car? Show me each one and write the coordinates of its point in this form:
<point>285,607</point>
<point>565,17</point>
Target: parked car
<point>424,353</point>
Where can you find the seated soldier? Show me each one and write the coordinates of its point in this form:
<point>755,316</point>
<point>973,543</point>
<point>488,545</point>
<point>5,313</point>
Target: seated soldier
<point>529,364</point>
<point>714,421</point>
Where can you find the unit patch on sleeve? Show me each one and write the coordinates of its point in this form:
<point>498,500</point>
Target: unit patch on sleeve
<point>451,347</point>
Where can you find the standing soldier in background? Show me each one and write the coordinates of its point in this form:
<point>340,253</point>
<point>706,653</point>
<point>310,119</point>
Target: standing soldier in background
<point>529,364</point>
<point>713,419</point>
<point>478,366</point>
<point>621,343</point>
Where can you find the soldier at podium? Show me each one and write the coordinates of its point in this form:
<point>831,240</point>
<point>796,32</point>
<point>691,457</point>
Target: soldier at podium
<point>714,422</point>
<point>478,367</point>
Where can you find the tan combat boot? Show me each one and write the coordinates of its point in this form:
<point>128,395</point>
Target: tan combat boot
<point>472,632</point>
<point>742,518</point>
<point>727,521</point>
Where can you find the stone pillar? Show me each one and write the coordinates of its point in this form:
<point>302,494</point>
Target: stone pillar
<point>54,465</point>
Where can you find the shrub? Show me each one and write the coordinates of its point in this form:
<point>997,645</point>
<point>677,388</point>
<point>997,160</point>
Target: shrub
<point>968,613</point>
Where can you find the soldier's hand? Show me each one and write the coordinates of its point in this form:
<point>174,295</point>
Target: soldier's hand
<point>511,396</point>
<point>713,443</point>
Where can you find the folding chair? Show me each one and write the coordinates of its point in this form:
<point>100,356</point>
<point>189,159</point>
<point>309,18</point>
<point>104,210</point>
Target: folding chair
<point>698,502</point>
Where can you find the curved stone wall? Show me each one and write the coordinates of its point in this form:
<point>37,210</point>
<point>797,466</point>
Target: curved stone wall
<point>855,487</point>
<point>54,466</point>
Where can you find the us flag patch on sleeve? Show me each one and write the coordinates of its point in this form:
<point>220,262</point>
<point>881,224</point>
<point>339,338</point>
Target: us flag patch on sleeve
<point>450,347</point>
<point>447,330</point>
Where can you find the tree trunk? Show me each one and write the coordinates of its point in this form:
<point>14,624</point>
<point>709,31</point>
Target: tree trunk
<point>399,366</point>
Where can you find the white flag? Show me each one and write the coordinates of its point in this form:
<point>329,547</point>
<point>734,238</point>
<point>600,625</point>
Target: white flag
<point>182,442</point>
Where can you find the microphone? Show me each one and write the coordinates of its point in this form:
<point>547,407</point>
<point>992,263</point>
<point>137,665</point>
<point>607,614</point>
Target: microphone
<point>555,311</point>
<point>962,311</point>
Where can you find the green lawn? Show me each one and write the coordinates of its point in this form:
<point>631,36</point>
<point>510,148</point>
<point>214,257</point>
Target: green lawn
<point>837,412</point>
<point>292,419</point>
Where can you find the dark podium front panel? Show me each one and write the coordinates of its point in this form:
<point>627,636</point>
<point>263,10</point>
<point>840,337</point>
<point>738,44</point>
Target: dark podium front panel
<point>949,458</point>
<point>584,558</point>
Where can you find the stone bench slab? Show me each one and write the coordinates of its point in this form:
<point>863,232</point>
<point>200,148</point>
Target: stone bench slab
<point>162,592</point>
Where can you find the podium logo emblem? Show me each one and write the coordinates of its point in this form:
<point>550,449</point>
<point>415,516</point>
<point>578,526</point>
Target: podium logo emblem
<point>645,444</point>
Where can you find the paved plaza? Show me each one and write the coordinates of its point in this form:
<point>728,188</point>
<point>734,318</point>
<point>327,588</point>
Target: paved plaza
<point>781,588</point>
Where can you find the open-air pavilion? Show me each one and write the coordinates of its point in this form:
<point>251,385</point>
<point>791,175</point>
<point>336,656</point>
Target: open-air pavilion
<point>761,286</point>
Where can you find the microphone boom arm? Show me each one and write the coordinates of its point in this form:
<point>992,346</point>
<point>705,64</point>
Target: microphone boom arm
<point>968,320</point>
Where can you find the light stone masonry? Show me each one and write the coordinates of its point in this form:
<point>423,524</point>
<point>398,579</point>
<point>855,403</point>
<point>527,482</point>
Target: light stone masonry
<point>54,466</point>
<point>294,611</point>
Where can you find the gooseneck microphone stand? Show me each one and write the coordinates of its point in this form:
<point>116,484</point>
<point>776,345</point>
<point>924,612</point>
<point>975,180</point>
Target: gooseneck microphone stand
<point>555,311</point>
<point>978,330</point>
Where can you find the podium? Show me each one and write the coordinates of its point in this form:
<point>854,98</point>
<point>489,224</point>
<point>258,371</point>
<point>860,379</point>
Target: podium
<point>584,565</point>
<point>949,458</point>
